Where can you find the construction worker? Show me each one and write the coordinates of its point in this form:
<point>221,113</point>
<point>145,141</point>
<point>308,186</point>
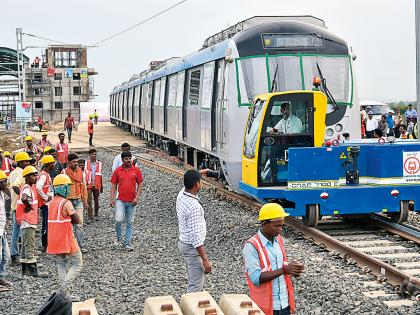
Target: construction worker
<point>4,247</point>
<point>266,268</point>
<point>6,155</point>
<point>16,181</point>
<point>93,171</point>
<point>27,217</point>
<point>125,147</point>
<point>90,130</point>
<point>44,142</point>
<point>62,149</point>
<point>58,167</point>
<point>45,193</point>
<point>61,240</point>
<point>6,164</point>
<point>30,147</point>
<point>77,196</point>
<point>95,116</point>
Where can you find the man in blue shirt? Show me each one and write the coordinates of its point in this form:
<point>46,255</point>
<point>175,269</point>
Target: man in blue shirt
<point>267,270</point>
<point>390,122</point>
<point>410,112</point>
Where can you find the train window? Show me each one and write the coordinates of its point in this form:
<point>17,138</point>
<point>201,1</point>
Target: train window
<point>194,87</point>
<point>162,91</point>
<point>173,80</point>
<point>253,127</point>
<point>254,75</point>
<point>208,78</point>
<point>180,89</point>
<point>287,118</point>
<point>285,74</point>
<point>156,100</point>
<point>144,94</point>
<point>149,94</point>
<point>291,40</point>
<point>336,71</point>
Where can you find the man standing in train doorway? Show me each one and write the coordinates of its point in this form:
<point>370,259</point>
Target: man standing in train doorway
<point>266,268</point>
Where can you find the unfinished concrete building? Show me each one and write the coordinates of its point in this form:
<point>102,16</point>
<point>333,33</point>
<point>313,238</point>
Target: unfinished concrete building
<point>58,82</point>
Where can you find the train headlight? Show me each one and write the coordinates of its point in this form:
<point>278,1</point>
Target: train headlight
<point>324,195</point>
<point>329,132</point>
<point>339,127</point>
<point>395,193</point>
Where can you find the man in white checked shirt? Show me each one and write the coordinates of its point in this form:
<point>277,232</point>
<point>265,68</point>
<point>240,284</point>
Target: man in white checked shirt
<point>192,230</point>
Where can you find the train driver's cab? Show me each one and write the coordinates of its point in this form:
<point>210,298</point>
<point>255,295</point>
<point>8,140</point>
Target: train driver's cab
<point>278,121</point>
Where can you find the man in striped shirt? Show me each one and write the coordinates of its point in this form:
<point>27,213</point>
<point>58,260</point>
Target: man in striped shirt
<point>192,231</point>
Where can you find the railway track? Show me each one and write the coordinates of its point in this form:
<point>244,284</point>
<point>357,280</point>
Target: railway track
<point>385,249</point>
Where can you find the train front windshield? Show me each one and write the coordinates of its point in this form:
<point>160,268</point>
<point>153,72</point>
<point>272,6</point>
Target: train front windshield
<point>261,74</point>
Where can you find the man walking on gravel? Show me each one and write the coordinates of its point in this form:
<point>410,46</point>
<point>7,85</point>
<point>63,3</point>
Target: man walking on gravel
<point>69,125</point>
<point>125,147</point>
<point>62,150</point>
<point>192,231</point>
<point>128,179</point>
<point>93,171</point>
<point>266,268</point>
<point>77,196</point>
<point>61,240</point>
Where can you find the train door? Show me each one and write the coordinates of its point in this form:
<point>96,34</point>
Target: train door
<point>283,121</point>
<point>165,106</point>
<point>219,107</point>
<point>152,106</point>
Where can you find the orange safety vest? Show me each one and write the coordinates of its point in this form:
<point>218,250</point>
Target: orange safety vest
<point>62,152</point>
<point>32,216</point>
<point>98,175</point>
<point>90,126</point>
<point>44,144</point>
<point>263,294</point>
<point>60,228</point>
<point>6,166</point>
<point>45,188</point>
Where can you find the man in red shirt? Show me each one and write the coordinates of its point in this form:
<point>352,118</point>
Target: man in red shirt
<point>128,179</point>
<point>68,125</point>
<point>62,150</point>
<point>90,130</point>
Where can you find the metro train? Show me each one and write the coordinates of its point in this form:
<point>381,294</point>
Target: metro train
<point>197,106</point>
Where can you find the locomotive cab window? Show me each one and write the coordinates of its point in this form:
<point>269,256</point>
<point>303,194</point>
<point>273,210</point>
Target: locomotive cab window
<point>288,122</point>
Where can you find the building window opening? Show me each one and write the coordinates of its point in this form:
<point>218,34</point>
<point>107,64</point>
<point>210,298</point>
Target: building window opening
<point>77,90</point>
<point>58,91</point>
<point>76,76</point>
<point>39,105</point>
<point>76,105</point>
<point>58,105</point>
<point>58,76</point>
<point>38,77</point>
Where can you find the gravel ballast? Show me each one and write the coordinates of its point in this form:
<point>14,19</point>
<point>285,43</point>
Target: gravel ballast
<point>121,281</point>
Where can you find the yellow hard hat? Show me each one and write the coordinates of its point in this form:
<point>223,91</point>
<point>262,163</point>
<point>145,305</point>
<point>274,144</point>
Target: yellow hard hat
<point>47,159</point>
<point>90,116</point>
<point>44,133</point>
<point>29,170</point>
<point>22,156</point>
<point>28,138</point>
<point>271,211</point>
<point>47,148</point>
<point>1,150</point>
<point>61,179</point>
<point>3,175</point>
<point>6,153</point>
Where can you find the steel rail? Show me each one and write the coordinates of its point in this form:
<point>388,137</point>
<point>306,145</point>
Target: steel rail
<point>377,267</point>
<point>404,231</point>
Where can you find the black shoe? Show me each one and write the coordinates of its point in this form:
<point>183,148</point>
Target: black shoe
<point>34,272</point>
<point>15,260</point>
<point>25,271</point>
<point>96,217</point>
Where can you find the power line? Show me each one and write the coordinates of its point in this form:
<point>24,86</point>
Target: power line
<point>49,39</point>
<point>140,23</point>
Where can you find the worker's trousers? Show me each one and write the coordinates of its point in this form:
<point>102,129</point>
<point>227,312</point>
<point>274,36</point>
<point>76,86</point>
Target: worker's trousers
<point>75,263</point>
<point>78,228</point>
<point>27,254</point>
<point>195,268</point>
